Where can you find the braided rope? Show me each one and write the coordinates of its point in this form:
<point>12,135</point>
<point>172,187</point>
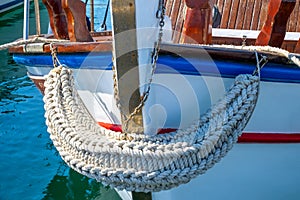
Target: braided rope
<point>32,40</point>
<point>139,162</point>
<point>267,49</point>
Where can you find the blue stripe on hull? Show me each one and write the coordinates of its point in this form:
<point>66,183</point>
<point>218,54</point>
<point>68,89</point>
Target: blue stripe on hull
<point>171,65</point>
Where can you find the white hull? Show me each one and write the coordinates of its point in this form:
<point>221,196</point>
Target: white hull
<point>180,99</point>
<point>249,171</point>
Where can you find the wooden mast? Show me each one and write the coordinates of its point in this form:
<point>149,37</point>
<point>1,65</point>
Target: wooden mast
<point>126,62</point>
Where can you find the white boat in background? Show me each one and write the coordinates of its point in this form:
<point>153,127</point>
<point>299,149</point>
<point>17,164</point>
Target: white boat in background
<point>157,98</point>
<point>6,5</point>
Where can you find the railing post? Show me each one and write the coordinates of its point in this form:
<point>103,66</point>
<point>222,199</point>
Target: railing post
<point>26,20</point>
<point>197,26</point>
<point>75,11</point>
<point>37,17</point>
<point>274,28</point>
<point>92,11</point>
<point>57,18</point>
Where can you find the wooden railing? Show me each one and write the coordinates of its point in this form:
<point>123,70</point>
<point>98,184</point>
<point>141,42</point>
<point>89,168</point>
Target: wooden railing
<point>272,17</point>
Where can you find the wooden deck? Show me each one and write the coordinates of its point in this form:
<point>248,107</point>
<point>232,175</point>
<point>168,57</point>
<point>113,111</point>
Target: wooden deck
<point>232,14</point>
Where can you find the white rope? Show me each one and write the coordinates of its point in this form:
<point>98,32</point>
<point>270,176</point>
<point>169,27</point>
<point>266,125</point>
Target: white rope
<point>32,40</point>
<point>139,162</point>
<point>266,49</point>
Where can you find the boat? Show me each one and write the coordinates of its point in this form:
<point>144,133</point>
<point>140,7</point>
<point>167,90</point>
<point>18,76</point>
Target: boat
<point>165,87</point>
<point>6,5</point>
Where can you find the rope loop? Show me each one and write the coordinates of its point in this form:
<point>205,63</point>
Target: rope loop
<point>144,163</point>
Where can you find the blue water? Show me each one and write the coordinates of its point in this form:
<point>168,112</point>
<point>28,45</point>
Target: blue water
<point>30,167</point>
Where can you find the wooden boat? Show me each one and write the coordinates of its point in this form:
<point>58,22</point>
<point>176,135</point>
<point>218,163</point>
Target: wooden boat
<point>6,5</point>
<point>191,73</point>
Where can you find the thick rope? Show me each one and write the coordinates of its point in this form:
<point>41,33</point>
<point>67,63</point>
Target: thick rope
<point>139,162</point>
<point>266,49</point>
<point>32,40</point>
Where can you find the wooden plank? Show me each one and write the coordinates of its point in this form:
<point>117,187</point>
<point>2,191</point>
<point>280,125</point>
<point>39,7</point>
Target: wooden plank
<point>274,29</point>
<point>256,14</point>
<point>57,18</point>
<point>77,26</point>
<point>292,23</point>
<point>298,21</point>
<point>297,16</point>
<point>179,23</point>
<point>169,6</point>
<point>248,15</point>
<point>263,14</point>
<point>198,22</point>
<point>220,5</point>
<point>226,14</point>
<point>297,49</point>
<point>175,11</point>
<point>233,14</point>
<point>241,14</point>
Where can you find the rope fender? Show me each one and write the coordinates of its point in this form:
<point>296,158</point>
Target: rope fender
<point>140,163</point>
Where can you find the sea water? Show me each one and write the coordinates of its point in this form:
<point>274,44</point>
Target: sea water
<point>30,167</point>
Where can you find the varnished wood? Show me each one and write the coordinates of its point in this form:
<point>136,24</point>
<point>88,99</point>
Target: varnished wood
<point>241,14</point>
<point>57,18</point>
<point>198,22</point>
<point>77,26</point>
<point>262,14</point>
<point>37,17</point>
<point>294,18</point>
<point>179,8</point>
<point>256,14</point>
<point>226,14</point>
<point>297,49</point>
<point>179,23</point>
<point>248,15</point>
<point>233,14</point>
<point>274,29</point>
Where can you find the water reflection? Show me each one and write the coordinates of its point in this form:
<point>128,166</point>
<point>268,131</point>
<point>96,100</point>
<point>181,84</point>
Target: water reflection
<point>72,185</point>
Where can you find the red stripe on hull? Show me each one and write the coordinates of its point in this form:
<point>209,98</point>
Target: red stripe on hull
<point>244,138</point>
<point>269,138</point>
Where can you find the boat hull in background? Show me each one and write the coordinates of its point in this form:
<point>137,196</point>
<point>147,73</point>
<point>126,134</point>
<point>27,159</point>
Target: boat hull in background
<point>6,5</point>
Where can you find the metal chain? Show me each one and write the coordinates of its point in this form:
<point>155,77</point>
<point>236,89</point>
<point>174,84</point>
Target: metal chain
<point>160,14</point>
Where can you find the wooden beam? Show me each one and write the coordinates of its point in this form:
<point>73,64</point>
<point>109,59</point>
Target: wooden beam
<point>274,28</point>
<point>37,17</point>
<point>197,26</point>
<point>297,49</point>
<point>77,26</point>
<point>57,18</point>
